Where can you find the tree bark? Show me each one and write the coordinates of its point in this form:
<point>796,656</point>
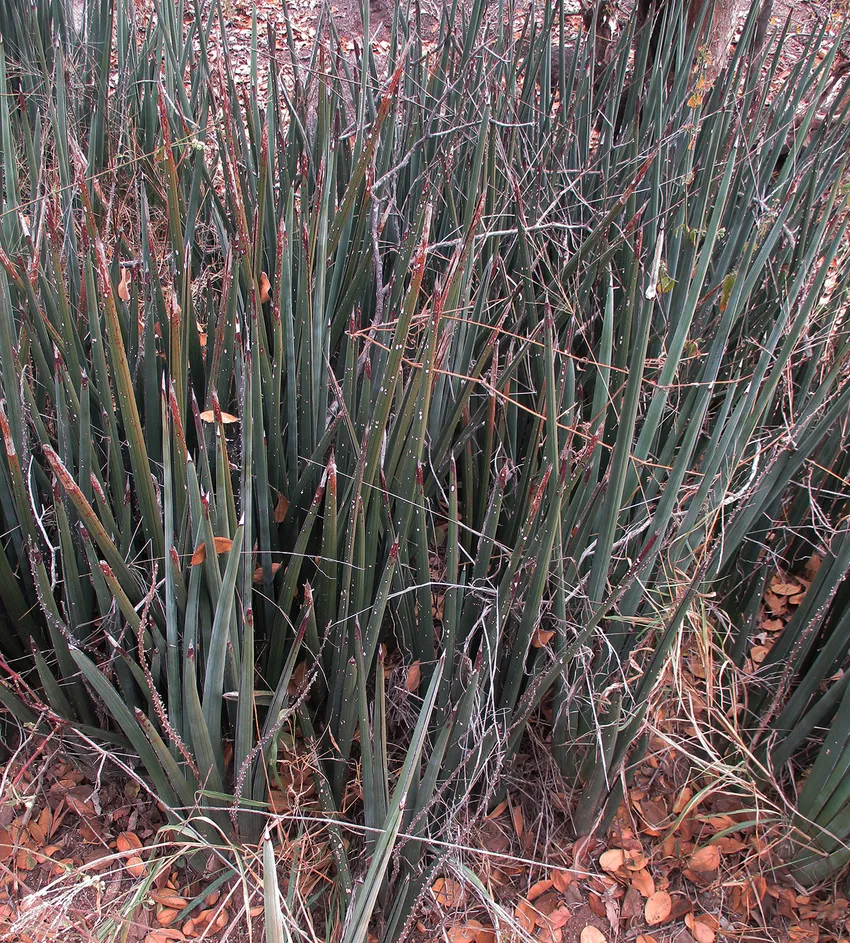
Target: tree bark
<point>718,20</point>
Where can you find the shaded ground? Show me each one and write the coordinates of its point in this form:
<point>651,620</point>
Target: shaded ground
<point>347,17</point>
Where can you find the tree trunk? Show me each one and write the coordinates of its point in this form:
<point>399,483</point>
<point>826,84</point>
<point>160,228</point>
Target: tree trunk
<point>719,20</point>
<point>718,23</point>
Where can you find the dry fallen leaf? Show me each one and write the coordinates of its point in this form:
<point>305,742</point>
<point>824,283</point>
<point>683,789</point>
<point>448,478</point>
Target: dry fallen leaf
<point>612,860</point>
<point>541,637</point>
<point>297,678</point>
<point>280,509</point>
<point>164,936</point>
<point>124,284</point>
<point>414,675</point>
<point>591,934</point>
<point>559,917</point>
<point>804,932</point>
<point>7,845</point>
<point>702,930</point>
<point>483,934</point>
<point>758,653</point>
<point>658,908</point>
<point>643,881</point>
<point>448,892</point>
<point>631,904</point>
<point>463,934</point>
<point>526,915</point>
<point>549,934</point>
<point>635,860</point>
<point>561,880</point>
<point>135,866</point>
<point>654,813</point>
<point>265,285</point>
<point>473,931</point>
<point>166,916</point>
<point>258,573</point>
<point>745,897</point>
<point>26,860</point>
<point>537,889</point>
<point>516,818</point>
<point>222,545</point>
<point>128,841</point>
<point>684,798</point>
<point>729,845</point>
<point>208,415</point>
<point>500,808</point>
<point>706,858</point>
<point>168,898</point>
<point>597,905</point>
<point>778,605</point>
<point>206,916</point>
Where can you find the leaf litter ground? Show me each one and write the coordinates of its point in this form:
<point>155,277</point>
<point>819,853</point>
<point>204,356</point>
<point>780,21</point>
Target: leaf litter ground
<point>694,855</point>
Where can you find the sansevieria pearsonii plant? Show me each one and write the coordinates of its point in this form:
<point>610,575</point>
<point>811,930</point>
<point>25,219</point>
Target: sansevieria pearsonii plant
<point>420,362</point>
